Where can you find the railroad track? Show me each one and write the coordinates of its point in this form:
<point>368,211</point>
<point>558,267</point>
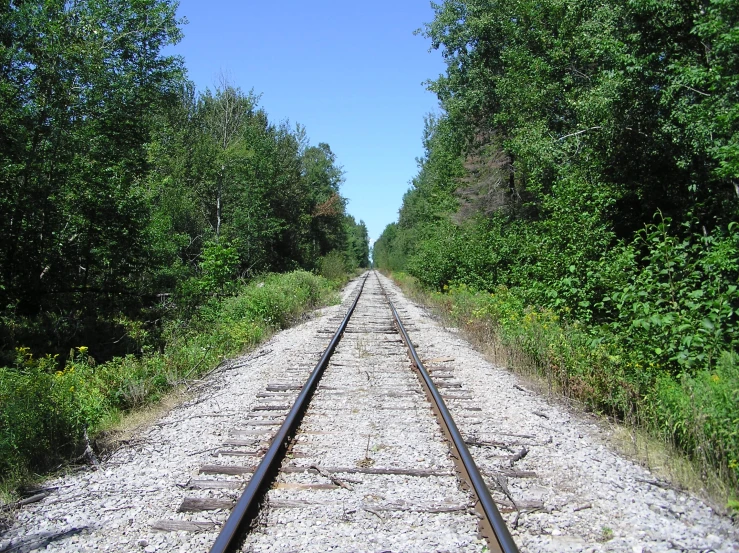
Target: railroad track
<point>363,455</point>
<point>368,468</point>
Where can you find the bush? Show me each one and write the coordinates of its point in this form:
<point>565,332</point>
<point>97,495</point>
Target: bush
<point>333,266</point>
<point>677,309</point>
<point>44,412</point>
<point>538,340</point>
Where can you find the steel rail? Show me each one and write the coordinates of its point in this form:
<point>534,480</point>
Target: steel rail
<point>247,507</point>
<point>501,537</point>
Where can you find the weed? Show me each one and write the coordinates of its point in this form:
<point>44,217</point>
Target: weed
<point>606,534</point>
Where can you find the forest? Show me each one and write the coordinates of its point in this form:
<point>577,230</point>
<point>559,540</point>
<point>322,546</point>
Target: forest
<point>142,221</point>
<point>577,204</point>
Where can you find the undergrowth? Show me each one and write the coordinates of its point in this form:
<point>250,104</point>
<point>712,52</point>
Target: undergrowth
<point>698,413</point>
<point>48,409</point>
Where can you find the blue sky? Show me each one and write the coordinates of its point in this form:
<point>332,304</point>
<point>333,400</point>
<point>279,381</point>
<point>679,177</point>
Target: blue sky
<point>351,72</point>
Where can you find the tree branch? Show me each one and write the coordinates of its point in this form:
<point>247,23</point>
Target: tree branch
<point>579,132</point>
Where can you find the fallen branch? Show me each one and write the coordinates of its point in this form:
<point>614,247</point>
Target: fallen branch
<point>166,423</point>
<point>657,483</point>
<point>516,435</point>
<point>88,453</point>
<point>481,443</point>
<point>252,357</point>
<point>202,451</point>
<point>513,473</point>
<point>518,456</point>
<point>331,477</point>
<point>40,540</point>
<point>378,515</point>
<point>198,363</point>
<point>35,498</point>
<point>502,483</point>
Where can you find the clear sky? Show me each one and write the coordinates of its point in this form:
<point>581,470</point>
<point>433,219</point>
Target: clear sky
<point>351,72</point>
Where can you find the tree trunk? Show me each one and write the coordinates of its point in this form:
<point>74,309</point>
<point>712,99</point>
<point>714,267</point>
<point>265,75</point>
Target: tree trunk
<point>218,203</point>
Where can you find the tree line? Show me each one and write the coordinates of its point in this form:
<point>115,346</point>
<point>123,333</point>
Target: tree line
<point>123,189</point>
<point>585,169</point>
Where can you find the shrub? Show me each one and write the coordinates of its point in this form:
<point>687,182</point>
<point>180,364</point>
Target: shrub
<point>701,413</point>
<point>333,266</point>
<point>677,308</point>
<point>44,412</point>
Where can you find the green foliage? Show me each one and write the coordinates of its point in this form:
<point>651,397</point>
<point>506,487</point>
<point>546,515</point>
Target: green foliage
<point>218,266</point>
<point>390,251</point>
<point>80,83</point>
<point>678,306</point>
<point>700,413</point>
<point>277,300</point>
<point>126,194</point>
<point>333,266</point>
<point>45,409</point>
<point>540,340</point>
<point>357,245</point>
<point>223,172</point>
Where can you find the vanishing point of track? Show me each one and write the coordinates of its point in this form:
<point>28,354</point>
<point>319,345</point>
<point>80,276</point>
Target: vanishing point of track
<point>336,422</point>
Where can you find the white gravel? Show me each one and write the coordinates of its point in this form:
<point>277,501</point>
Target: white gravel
<point>583,497</point>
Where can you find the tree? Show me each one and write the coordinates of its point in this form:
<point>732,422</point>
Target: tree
<point>120,183</point>
<point>357,245</point>
<point>80,83</point>
<point>226,113</point>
